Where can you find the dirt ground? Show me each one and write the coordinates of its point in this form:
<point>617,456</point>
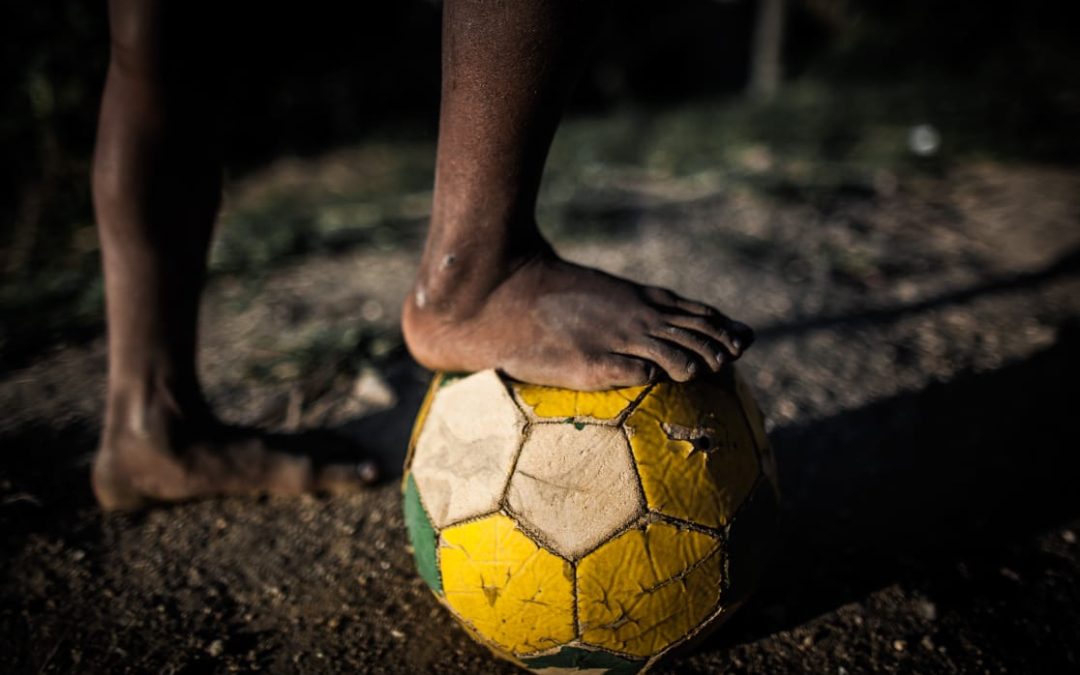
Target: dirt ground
<point>918,359</point>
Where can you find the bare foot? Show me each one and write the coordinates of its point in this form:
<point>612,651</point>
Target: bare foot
<point>153,455</point>
<point>548,321</point>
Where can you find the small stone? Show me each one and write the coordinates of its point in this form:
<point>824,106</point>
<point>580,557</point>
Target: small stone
<point>371,310</point>
<point>397,634</point>
<point>926,610</point>
<point>78,554</point>
<point>220,524</point>
<point>286,370</point>
<point>1009,574</point>
<point>382,346</point>
<point>1068,536</point>
<point>371,389</point>
<point>216,648</point>
<point>808,641</point>
<point>899,645</point>
<point>927,643</point>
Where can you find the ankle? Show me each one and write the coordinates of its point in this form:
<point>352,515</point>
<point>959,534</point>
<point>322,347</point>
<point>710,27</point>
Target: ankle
<point>457,276</point>
<point>152,404</point>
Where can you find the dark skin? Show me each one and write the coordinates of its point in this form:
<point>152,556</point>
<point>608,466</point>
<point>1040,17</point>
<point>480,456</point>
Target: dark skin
<point>490,293</point>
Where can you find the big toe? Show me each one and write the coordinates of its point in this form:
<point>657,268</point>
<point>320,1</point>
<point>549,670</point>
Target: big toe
<point>347,477</point>
<point>742,333</point>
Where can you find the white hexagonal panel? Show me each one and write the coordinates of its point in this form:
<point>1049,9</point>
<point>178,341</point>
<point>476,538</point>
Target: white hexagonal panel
<point>467,448</point>
<point>575,485</point>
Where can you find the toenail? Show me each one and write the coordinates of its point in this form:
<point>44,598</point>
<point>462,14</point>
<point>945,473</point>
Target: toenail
<point>736,343</point>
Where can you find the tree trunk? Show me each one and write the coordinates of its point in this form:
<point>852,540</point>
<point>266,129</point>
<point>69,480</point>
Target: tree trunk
<point>766,58</point>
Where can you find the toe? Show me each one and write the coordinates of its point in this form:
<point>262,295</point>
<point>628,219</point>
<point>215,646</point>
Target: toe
<point>346,478</point>
<point>713,328</point>
<point>732,336</point>
<point>708,350</point>
<point>742,332</point>
<point>612,371</point>
<point>679,364</point>
<point>669,299</point>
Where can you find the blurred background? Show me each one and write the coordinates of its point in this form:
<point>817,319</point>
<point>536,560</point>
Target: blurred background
<point>888,191</point>
<point>833,93</point>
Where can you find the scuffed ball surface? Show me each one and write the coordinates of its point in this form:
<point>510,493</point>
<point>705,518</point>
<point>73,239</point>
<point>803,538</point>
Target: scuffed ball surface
<point>589,531</point>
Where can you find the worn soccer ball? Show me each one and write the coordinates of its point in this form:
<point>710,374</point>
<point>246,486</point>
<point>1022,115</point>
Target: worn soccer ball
<point>589,531</point>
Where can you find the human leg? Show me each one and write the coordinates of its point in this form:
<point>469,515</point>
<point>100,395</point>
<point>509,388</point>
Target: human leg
<point>156,188</point>
<point>490,291</point>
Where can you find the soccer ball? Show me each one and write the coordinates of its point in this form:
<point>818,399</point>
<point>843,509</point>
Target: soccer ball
<point>591,531</point>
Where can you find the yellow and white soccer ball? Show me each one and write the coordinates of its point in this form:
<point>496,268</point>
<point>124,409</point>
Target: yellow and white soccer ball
<point>596,531</point>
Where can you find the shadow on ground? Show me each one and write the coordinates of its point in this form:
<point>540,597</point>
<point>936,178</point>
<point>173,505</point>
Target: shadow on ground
<point>941,491</point>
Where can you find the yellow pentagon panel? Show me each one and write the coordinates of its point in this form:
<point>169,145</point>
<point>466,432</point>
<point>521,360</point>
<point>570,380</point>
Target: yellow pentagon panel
<point>750,541</point>
<point>693,450</point>
<point>648,588</point>
<point>757,426</point>
<point>512,592</point>
<point>566,403</point>
<point>753,412</point>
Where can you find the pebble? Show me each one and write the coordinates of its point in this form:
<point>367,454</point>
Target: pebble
<point>372,389</point>
<point>371,310</point>
<point>1009,574</point>
<point>216,648</point>
<point>926,610</point>
<point>286,370</point>
<point>1068,536</point>
<point>899,645</point>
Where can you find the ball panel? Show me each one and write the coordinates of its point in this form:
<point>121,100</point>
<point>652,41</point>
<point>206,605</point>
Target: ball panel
<point>756,420</point>
<point>466,448</point>
<point>578,661</point>
<point>575,487</point>
<point>422,536</point>
<point>648,588</point>
<point>421,419</point>
<point>550,402</point>
<point>512,592</point>
<point>693,451</point>
<point>753,412</point>
<point>751,537</point>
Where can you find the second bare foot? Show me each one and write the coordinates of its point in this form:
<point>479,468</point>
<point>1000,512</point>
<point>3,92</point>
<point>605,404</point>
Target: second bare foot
<point>153,454</point>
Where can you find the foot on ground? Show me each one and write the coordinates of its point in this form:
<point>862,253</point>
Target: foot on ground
<point>549,321</point>
<point>161,457</point>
